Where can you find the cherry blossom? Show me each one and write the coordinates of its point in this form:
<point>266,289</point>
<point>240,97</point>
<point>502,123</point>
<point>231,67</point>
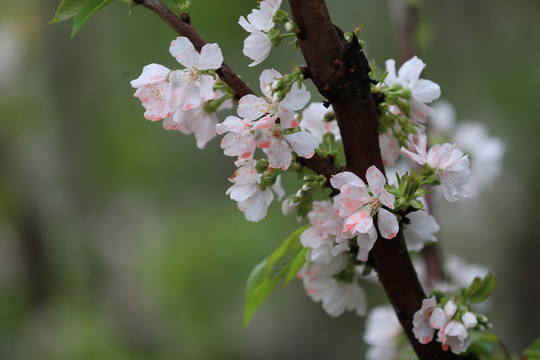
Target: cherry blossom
<point>381,334</point>
<point>270,107</point>
<point>450,164</point>
<point>259,22</point>
<point>324,237</point>
<point>422,328</point>
<point>155,91</point>
<point>279,146</point>
<point>252,201</point>
<point>257,45</point>
<point>336,296</point>
<point>452,333</point>
<point>239,141</point>
<point>192,85</point>
<point>314,122</point>
<point>358,206</point>
<point>422,91</point>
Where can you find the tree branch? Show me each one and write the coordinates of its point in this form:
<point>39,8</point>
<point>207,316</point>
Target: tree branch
<point>340,73</point>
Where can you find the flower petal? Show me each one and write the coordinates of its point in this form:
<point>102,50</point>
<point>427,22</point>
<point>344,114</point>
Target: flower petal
<point>211,57</point>
<point>184,52</point>
<point>388,224</point>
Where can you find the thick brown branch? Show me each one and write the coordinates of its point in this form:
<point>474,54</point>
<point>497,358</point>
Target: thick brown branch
<point>185,29</point>
<point>340,71</point>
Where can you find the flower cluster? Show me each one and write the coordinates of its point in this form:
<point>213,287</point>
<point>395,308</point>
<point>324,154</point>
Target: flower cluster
<point>451,321</point>
<point>178,96</point>
<point>358,203</point>
<point>449,163</point>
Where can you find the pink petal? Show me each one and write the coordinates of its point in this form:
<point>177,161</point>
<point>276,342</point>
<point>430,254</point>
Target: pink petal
<point>188,97</point>
<point>303,143</point>
<point>387,199</point>
<point>375,179</point>
<point>388,224</point>
<point>296,99</point>
<point>346,177</point>
<point>184,52</point>
<point>252,107</point>
<point>279,155</point>
<point>359,222</point>
<point>206,91</point>
<point>211,57</point>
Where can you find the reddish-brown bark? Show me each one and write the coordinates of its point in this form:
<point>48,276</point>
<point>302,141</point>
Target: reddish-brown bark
<point>340,72</point>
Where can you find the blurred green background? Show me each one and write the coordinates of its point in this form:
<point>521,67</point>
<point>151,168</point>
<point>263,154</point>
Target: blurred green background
<point>117,240</point>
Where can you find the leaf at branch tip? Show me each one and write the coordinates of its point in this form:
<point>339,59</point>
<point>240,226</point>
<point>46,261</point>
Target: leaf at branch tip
<point>67,9</point>
<point>89,10</point>
<point>284,262</point>
<point>480,289</point>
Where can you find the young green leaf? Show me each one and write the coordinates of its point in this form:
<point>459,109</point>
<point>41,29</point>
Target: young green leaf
<point>533,351</point>
<point>480,289</point>
<point>284,262</point>
<point>68,9</point>
<point>89,10</point>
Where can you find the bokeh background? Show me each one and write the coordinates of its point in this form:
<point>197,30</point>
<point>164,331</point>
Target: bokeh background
<point>117,240</point>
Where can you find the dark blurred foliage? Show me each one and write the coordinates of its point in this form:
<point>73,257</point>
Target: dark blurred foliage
<point>117,240</point>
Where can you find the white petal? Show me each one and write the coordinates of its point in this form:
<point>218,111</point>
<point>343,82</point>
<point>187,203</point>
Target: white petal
<point>346,177</point>
<point>151,73</point>
<point>211,57</point>
<point>303,143</point>
<point>388,224</point>
<point>184,52</point>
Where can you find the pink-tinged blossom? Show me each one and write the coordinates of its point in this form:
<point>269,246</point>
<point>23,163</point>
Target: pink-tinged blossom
<point>191,85</point>
<point>257,45</point>
<point>324,237</point>
<point>422,329</point>
<point>269,107</point>
<point>381,334</point>
<point>195,120</point>
<point>313,121</point>
<point>389,148</point>
<point>336,296</point>
<point>279,146</point>
<point>422,91</point>
<point>252,201</point>
<point>239,141</point>
<point>450,164</point>
<point>154,91</point>
<point>357,205</point>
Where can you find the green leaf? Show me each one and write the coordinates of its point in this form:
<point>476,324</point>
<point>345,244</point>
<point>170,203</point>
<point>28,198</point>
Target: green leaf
<point>284,262</point>
<point>480,289</point>
<point>68,9</point>
<point>296,264</point>
<point>533,351</point>
<point>89,10</point>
